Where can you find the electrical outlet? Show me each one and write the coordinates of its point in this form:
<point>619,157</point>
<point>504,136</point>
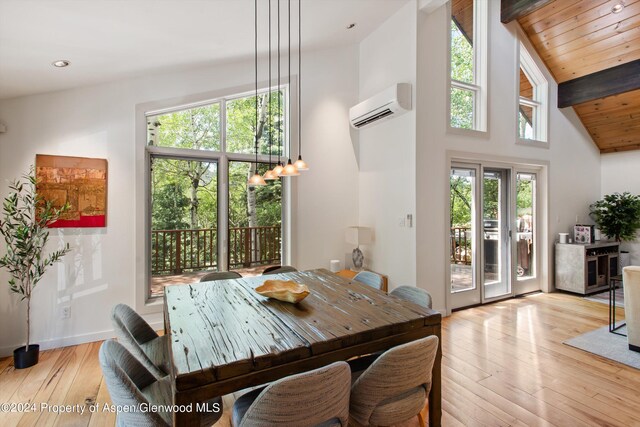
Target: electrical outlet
<point>66,312</point>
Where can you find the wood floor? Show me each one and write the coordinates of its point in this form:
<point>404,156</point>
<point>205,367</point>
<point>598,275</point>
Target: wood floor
<point>503,364</point>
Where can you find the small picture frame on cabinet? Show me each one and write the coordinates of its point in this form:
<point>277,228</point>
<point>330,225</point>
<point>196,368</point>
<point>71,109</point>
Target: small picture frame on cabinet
<point>583,234</point>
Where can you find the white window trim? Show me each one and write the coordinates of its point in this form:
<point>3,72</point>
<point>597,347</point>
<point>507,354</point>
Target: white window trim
<point>480,74</point>
<point>145,304</point>
<point>540,101</point>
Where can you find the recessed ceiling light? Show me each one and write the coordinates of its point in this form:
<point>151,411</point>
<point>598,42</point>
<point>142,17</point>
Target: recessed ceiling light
<point>61,63</point>
<point>617,8</point>
<point>350,26</point>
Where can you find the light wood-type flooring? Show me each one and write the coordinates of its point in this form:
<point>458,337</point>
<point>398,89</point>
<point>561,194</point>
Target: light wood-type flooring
<point>503,364</point>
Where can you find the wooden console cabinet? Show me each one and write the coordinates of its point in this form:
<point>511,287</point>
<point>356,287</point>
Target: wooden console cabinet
<point>586,268</point>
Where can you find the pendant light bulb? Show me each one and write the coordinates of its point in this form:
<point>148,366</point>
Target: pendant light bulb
<point>290,170</point>
<point>269,175</point>
<point>256,179</point>
<point>300,164</point>
<point>278,169</point>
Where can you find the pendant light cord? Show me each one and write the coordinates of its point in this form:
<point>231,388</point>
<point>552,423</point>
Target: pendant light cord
<point>299,78</point>
<point>269,95</point>
<point>289,17</point>
<point>279,93</point>
<point>256,74</point>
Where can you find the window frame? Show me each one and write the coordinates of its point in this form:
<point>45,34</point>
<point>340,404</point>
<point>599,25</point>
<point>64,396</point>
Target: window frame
<point>480,60</point>
<point>145,303</point>
<point>539,103</point>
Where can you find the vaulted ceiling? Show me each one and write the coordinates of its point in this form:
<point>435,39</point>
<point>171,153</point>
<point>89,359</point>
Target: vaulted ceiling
<point>592,48</point>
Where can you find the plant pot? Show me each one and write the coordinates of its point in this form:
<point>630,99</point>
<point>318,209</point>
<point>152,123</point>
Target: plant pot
<point>26,358</point>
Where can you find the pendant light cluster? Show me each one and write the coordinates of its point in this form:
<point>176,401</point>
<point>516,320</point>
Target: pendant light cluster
<point>279,169</point>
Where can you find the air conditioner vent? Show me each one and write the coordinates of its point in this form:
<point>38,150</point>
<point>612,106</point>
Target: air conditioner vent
<point>389,103</point>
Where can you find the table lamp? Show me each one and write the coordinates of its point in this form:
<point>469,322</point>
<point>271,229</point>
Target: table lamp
<point>358,236</point>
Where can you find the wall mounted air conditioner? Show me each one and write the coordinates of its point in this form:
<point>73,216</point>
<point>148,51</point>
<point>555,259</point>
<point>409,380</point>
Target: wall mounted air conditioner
<point>391,102</point>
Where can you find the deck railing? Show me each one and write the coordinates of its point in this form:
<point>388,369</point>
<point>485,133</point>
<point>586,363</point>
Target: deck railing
<point>177,251</point>
<point>460,246</point>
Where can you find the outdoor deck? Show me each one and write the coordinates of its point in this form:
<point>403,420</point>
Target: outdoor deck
<point>159,282</point>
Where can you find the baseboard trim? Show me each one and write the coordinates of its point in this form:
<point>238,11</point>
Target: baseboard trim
<point>634,347</point>
<point>49,344</point>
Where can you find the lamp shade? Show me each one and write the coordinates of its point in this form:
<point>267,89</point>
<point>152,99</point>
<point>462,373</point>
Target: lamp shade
<point>359,235</point>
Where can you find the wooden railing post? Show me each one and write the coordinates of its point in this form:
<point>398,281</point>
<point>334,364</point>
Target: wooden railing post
<point>178,267</point>
<point>247,247</point>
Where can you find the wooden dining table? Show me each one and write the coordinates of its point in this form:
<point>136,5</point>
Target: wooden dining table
<point>225,337</point>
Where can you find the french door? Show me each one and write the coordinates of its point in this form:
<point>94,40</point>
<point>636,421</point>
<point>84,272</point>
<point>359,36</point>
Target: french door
<point>492,233</point>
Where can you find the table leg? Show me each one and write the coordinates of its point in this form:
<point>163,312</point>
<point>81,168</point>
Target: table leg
<point>183,418</point>
<point>435,394</point>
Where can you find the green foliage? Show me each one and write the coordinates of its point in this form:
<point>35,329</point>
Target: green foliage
<point>185,192</point>
<point>268,197</point>
<point>461,199</point>
<point>617,215</point>
<point>241,124</point>
<point>24,222</point>
<point>170,207</point>
<point>197,128</point>
<point>461,70</point>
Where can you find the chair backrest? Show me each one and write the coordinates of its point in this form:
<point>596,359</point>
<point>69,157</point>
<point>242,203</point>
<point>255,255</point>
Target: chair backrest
<point>126,377</point>
<point>132,330</point>
<point>277,269</point>
<point>396,385</point>
<point>220,275</point>
<point>413,294</point>
<point>306,399</point>
<point>369,278</point>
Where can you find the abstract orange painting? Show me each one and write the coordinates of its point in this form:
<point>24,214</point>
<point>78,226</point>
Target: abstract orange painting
<point>80,181</point>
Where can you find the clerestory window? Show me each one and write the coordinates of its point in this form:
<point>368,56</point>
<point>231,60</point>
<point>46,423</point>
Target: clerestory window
<point>467,48</point>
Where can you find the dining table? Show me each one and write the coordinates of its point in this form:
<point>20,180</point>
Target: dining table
<point>225,337</point>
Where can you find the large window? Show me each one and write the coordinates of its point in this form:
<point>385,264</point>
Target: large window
<point>468,40</point>
<point>532,101</point>
<point>202,214</point>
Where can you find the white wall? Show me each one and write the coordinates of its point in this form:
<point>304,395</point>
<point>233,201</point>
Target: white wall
<point>572,159</point>
<point>387,150</point>
<point>99,121</point>
<point>620,174</point>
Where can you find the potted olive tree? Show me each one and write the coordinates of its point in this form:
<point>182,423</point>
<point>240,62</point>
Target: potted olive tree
<point>25,217</point>
<point>618,216</point>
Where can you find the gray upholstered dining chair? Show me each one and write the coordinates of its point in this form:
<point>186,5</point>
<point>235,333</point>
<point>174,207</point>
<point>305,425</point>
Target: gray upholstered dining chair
<point>130,384</point>
<point>220,275</point>
<point>141,340</point>
<point>315,398</point>
<point>395,387</point>
<point>277,269</point>
<point>413,294</point>
<point>369,278</point>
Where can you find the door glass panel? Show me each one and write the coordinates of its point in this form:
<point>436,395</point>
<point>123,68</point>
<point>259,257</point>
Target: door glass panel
<point>255,220</point>
<point>184,206</point>
<point>525,211</point>
<point>495,233</point>
<point>462,247</point>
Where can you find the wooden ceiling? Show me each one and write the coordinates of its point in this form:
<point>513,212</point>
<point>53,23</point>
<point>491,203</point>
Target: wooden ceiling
<point>577,38</point>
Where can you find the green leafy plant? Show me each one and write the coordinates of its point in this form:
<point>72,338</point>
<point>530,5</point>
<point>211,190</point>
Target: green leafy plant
<point>617,215</point>
<point>25,217</point>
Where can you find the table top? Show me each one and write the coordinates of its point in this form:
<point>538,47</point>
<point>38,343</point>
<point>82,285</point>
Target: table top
<point>224,329</point>
<point>617,278</point>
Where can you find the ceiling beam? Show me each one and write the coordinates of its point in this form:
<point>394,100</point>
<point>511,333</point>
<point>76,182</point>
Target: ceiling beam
<point>612,81</point>
<point>513,9</point>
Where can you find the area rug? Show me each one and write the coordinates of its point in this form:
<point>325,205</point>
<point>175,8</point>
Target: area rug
<point>603,297</point>
<point>608,345</point>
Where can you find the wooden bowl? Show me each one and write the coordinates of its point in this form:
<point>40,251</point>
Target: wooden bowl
<point>283,290</point>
